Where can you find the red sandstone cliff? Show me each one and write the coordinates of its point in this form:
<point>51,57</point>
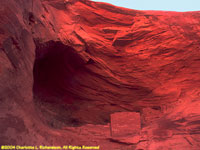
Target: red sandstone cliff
<point>66,66</point>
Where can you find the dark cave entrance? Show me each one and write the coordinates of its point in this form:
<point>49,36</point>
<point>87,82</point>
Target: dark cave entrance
<point>55,68</point>
<point>67,91</point>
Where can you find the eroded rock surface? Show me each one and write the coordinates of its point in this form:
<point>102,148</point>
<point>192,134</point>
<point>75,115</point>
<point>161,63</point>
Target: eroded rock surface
<point>125,127</point>
<point>66,66</point>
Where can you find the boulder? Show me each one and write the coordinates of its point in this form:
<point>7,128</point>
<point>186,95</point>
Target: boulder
<point>125,127</point>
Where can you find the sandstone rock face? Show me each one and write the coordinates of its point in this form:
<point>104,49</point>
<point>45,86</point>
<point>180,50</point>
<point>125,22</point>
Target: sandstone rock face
<point>125,127</point>
<point>66,66</point>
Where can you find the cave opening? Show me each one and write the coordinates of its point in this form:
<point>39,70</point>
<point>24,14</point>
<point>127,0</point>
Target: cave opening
<point>68,93</point>
<point>55,68</point>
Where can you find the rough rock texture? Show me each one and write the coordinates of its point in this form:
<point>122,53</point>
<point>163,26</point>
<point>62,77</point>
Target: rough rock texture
<point>66,66</point>
<point>125,127</point>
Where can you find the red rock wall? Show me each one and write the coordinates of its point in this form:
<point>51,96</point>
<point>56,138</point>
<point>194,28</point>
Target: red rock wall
<point>73,63</point>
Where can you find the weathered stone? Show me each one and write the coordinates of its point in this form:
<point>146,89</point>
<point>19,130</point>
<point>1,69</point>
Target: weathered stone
<point>104,59</point>
<point>148,115</point>
<point>125,127</point>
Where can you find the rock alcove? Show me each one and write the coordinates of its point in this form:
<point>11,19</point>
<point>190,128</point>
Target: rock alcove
<point>78,72</point>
